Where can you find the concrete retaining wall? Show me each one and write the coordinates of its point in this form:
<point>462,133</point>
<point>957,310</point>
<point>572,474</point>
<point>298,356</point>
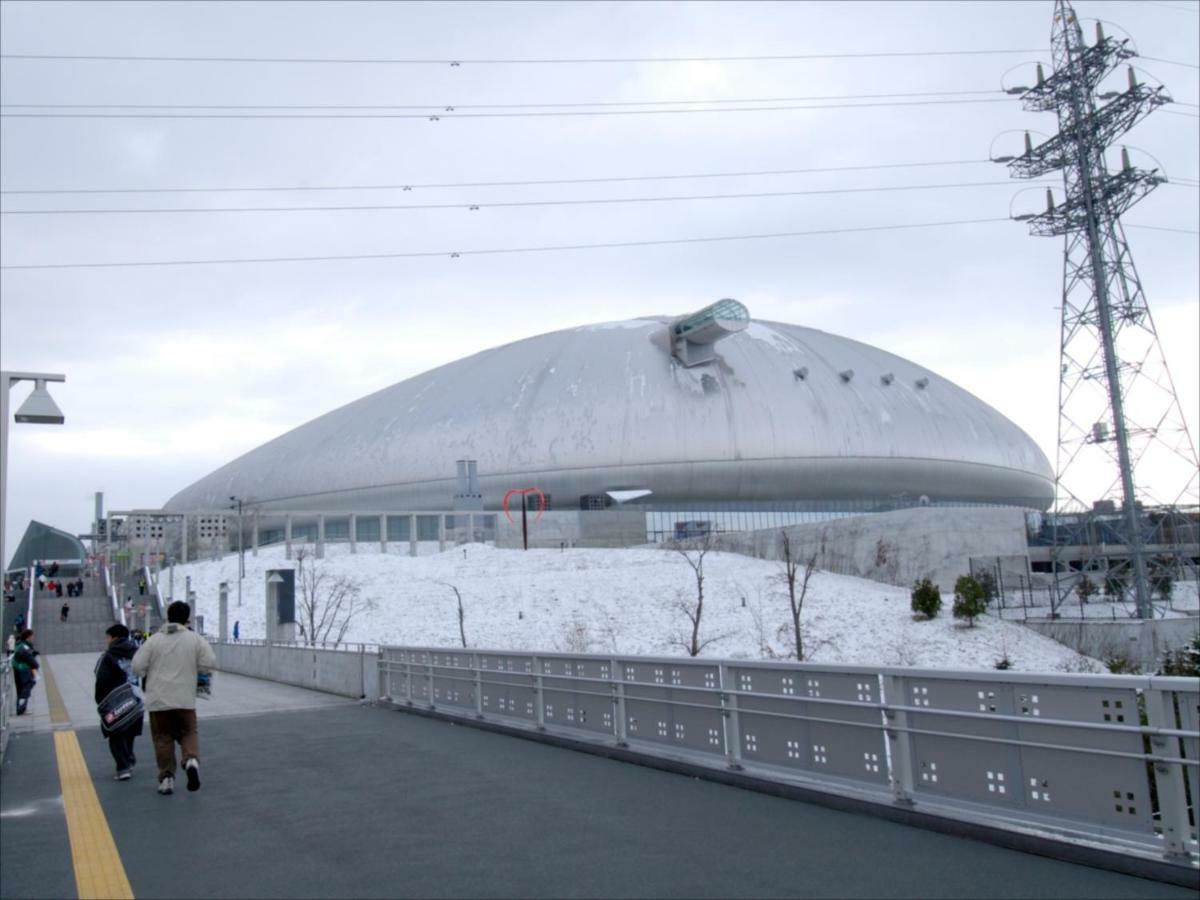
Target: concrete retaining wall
<point>574,528</point>
<point>345,672</point>
<point>1141,641</point>
<point>901,546</point>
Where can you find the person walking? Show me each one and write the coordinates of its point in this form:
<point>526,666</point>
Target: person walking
<point>170,664</point>
<point>237,629</point>
<point>113,669</point>
<point>25,668</point>
<point>65,611</point>
<point>58,589</point>
<point>141,587</point>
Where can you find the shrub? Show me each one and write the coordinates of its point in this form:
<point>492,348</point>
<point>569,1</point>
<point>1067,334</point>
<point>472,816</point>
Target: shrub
<point>987,581</point>
<point>1003,663</point>
<point>1185,661</point>
<point>1086,589</point>
<point>1114,586</point>
<point>1118,662</point>
<point>926,598</point>
<point>969,601</point>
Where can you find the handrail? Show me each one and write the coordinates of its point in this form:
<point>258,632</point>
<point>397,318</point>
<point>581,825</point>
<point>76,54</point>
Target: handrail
<point>900,720</point>
<point>118,610</point>
<point>8,695</point>
<point>158,597</point>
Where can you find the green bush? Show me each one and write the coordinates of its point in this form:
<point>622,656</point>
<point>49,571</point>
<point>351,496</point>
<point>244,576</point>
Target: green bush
<point>987,581</point>
<point>926,598</point>
<point>969,599</point>
<point>1086,589</point>
<point>1184,662</point>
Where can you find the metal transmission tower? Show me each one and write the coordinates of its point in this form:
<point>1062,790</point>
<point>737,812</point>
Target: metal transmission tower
<point>1117,403</point>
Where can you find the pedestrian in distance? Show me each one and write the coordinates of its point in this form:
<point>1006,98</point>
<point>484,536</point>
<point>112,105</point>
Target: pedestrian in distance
<point>58,589</point>
<point>113,670</point>
<point>141,587</point>
<point>41,580</point>
<point>64,612</point>
<point>25,668</point>
<point>237,629</point>
<point>170,664</point>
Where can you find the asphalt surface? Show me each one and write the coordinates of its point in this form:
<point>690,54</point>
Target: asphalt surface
<point>345,800</point>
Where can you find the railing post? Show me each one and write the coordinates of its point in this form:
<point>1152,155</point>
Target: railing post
<point>539,694</point>
<point>478,686</point>
<point>430,664</point>
<point>729,712</point>
<point>1168,777</point>
<point>899,740</point>
<point>620,717</point>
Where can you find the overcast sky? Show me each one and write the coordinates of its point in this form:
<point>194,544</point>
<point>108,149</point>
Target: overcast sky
<point>173,371</point>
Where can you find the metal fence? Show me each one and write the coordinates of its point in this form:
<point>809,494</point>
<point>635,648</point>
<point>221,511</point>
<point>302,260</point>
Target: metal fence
<point>8,701</point>
<point>1103,761</point>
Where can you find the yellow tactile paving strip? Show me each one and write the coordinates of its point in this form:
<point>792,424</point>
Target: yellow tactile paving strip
<point>99,872</point>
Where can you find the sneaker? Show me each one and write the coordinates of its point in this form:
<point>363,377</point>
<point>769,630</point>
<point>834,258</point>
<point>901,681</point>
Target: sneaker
<point>167,785</point>
<point>192,768</point>
<point>124,775</point>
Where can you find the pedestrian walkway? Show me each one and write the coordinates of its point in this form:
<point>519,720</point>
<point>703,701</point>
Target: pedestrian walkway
<point>84,628</point>
<point>309,795</point>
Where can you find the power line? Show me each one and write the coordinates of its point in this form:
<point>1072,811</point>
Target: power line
<point>454,254</point>
<point>498,61</point>
<point>478,184</point>
<point>1164,228</point>
<point>452,107</point>
<point>591,201</point>
<point>1170,62</point>
<point>492,115</point>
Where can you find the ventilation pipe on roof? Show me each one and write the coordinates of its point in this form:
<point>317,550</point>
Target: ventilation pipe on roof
<point>693,336</point>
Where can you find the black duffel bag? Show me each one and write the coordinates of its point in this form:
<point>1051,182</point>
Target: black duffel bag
<point>123,706</point>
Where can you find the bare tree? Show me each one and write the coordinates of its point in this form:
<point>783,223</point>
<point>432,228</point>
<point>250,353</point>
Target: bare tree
<point>462,634</point>
<point>328,602</point>
<point>693,551</point>
<point>792,573</point>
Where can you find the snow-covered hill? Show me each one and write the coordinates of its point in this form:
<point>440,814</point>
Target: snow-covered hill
<point>626,602</point>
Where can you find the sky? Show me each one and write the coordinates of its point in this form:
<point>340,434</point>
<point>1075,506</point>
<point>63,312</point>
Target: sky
<point>174,370</point>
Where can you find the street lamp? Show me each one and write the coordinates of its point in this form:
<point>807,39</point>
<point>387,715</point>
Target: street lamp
<point>237,504</point>
<point>38,409</point>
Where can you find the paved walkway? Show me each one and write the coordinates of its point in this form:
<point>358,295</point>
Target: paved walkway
<point>308,795</point>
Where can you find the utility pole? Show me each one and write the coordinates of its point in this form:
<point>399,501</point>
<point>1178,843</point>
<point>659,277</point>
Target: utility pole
<point>237,504</point>
<point>1119,416</point>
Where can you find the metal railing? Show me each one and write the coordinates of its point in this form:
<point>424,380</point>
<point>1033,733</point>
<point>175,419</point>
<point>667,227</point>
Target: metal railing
<point>8,701</point>
<point>1107,762</point>
<point>110,590</point>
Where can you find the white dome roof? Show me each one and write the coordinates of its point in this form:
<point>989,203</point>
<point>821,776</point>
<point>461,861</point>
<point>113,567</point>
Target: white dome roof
<point>783,413</point>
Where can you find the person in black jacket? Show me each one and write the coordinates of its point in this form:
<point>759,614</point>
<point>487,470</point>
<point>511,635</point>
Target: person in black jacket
<point>113,669</point>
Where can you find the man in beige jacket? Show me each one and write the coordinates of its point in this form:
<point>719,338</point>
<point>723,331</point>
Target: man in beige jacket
<point>169,664</point>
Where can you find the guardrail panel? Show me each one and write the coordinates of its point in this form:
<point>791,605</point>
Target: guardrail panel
<point>783,729</point>
<point>998,762</point>
<point>453,679</point>
<point>508,686</point>
<point>675,704</point>
<point>1187,703</point>
<point>582,698</point>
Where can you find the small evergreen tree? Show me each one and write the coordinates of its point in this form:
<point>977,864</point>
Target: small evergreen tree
<point>987,581</point>
<point>1114,586</point>
<point>1185,661</point>
<point>1086,589</point>
<point>926,598</point>
<point>969,601</point>
<point>1161,579</point>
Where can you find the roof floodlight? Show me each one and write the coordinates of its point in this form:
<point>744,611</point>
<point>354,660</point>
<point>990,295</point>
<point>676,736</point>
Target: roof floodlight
<point>39,408</point>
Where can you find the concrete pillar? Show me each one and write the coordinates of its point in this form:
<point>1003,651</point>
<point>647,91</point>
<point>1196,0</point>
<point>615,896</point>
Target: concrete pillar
<point>353,533</point>
<point>412,535</point>
<point>186,533</point>
<point>223,612</point>
<point>471,528</point>
<point>441,533</point>
<point>287,536</point>
<point>320,536</point>
<point>383,534</point>
<point>254,537</point>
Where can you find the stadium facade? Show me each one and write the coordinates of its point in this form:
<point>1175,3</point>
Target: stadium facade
<point>743,419</point>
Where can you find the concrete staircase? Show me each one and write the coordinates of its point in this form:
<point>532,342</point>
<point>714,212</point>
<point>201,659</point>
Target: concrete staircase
<point>83,632</point>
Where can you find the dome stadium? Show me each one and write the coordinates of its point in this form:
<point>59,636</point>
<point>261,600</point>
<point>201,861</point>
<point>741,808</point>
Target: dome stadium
<point>710,410</point>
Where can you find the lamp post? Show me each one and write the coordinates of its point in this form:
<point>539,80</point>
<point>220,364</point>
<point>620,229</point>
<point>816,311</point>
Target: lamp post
<point>237,504</point>
<point>38,409</point>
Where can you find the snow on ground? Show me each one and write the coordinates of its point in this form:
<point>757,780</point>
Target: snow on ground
<point>624,602</point>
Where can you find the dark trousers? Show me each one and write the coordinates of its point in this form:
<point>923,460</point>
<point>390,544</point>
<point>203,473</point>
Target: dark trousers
<point>24,679</point>
<point>168,726</point>
<point>120,745</point>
